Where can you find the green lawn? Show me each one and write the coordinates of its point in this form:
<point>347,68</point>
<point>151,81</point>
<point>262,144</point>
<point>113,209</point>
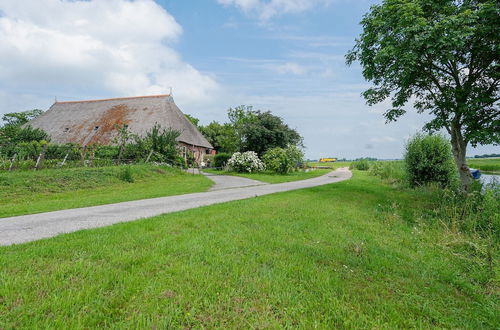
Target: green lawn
<point>270,177</point>
<point>346,255</point>
<point>490,165</point>
<point>25,192</point>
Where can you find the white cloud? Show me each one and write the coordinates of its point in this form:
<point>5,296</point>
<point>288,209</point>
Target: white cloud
<point>270,8</point>
<point>107,47</point>
<point>290,68</point>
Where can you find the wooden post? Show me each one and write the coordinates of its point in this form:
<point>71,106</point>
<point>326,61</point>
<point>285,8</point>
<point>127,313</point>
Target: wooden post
<point>12,162</point>
<point>149,156</point>
<point>92,155</point>
<point>82,155</point>
<point>41,157</point>
<point>64,160</point>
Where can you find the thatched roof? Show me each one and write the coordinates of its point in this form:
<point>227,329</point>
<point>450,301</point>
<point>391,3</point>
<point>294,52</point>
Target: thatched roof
<point>94,121</point>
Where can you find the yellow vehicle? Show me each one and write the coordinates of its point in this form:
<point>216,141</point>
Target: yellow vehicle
<point>327,160</point>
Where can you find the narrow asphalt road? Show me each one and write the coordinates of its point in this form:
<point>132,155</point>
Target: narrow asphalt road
<point>32,227</point>
<point>228,181</point>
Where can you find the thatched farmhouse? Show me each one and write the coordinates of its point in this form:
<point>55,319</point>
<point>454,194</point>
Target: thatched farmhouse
<point>95,121</point>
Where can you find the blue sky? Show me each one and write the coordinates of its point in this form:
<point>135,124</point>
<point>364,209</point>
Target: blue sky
<point>286,56</point>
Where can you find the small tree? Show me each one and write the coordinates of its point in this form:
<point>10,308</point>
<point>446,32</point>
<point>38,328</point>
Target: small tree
<point>281,160</point>
<point>444,57</point>
<point>428,159</point>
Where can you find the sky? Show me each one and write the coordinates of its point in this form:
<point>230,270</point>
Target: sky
<point>286,56</point>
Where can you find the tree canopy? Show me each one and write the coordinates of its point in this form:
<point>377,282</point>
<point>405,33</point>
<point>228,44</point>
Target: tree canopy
<point>20,118</point>
<point>250,130</point>
<point>441,56</point>
<point>260,131</point>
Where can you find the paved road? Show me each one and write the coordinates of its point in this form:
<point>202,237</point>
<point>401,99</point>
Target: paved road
<point>32,227</point>
<point>229,181</point>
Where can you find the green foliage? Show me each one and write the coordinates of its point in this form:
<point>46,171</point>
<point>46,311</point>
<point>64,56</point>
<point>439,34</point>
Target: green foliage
<point>473,213</point>
<point>222,137</point>
<point>107,152</point>
<point>428,159</point>
<point>11,136</point>
<point>260,131</point>
<point>193,120</point>
<point>443,57</point>
<point>20,118</point>
<point>250,130</point>
<point>283,161</point>
<point>220,159</point>
<point>160,141</point>
<point>391,171</point>
<point>126,174</point>
<point>362,165</point>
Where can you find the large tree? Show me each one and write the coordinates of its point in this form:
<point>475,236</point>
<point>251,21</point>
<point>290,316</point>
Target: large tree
<point>442,56</point>
<point>260,131</point>
<point>223,137</point>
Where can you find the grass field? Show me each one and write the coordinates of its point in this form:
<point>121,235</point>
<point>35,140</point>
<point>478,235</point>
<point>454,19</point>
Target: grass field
<point>489,165</point>
<point>332,165</point>
<point>25,192</point>
<point>349,255</point>
<point>270,177</point>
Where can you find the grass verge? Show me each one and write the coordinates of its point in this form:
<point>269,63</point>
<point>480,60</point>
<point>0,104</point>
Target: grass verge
<point>354,254</point>
<point>270,177</point>
<point>27,192</point>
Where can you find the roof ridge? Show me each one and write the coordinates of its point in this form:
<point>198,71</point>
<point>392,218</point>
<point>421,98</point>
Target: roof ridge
<point>113,99</point>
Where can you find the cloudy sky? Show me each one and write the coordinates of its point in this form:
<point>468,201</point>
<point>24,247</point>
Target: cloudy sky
<point>286,56</point>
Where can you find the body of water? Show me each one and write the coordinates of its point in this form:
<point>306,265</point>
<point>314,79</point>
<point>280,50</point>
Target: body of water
<point>490,178</point>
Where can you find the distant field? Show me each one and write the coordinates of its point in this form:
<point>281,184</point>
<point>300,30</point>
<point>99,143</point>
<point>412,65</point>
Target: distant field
<point>273,177</point>
<point>358,254</point>
<point>26,192</point>
<point>332,165</point>
<point>491,165</point>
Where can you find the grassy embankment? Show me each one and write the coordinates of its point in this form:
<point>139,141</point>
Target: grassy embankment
<point>355,254</point>
<point>25,192</point>
<point>486,165</point>
<point>270,177</point>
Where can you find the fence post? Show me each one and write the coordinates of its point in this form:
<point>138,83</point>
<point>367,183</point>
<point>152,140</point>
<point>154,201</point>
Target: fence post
<point>149,156</point>
<point>12,162</point>
<point>82,155</point>
<point>41,156</point>
<point>64,160</point>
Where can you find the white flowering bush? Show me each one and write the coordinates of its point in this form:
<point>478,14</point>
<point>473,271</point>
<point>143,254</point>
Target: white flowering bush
<point>246,162</point>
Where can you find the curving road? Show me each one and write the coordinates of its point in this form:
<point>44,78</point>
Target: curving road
<point>32,227</point>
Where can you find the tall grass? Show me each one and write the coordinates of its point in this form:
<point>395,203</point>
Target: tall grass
<point>390,171</point>
<point>361,165</point>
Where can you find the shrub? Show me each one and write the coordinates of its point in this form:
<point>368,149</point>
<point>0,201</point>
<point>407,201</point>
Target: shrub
<point>362,165</point>
<point>281,160</point>
<point>390,171</point>
<point>246,162</point>
<point>220,160</point>
<point>126,174</point>
<point>428,159</point>
<point>107,152</point>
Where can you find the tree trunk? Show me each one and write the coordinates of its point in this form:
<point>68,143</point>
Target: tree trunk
<point>459,147</point>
